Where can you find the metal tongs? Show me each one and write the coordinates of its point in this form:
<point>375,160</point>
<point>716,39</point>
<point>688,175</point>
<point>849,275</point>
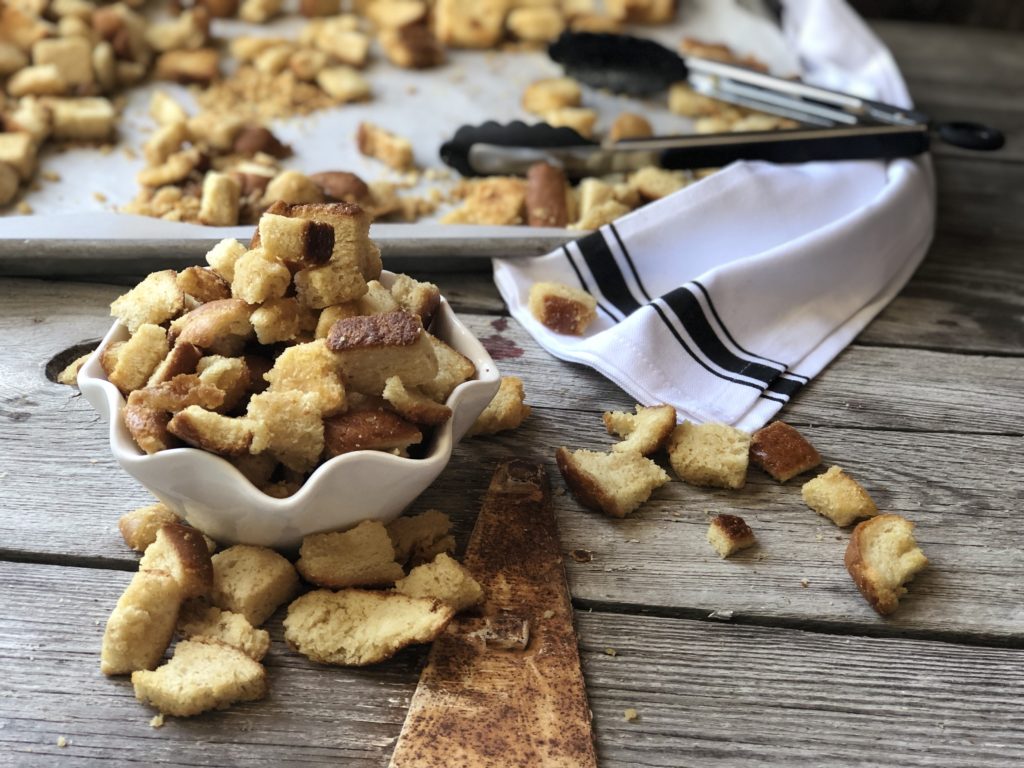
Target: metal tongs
<point>833,125</point>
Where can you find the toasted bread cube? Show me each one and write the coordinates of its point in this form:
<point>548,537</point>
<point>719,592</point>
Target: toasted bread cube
<point>562,308</point>
<point>216,129</point>
<point>728,534</point>
<point>173,170</point>
<point>348,46</point>
<point>655,183</point>
<point>330,315</point>
<point>352,244</point>
<point>645,432</point>
<point>629,125</point>
<point>218,206</point>
<point>141,625</point>
<point>373,429</point>
<point>33,117</point>
<point>396,13</point>
<point>536,24</point>
<point>165,109</point>
<point>201,676</point>
<point>178,393</point>
<point>198,620</point>
<point>313,8</point>
<point>138,357</point>
<point>290,426</point>
<point>613,483</point>
<point>182,553</point>
<point>544,96</point>
<point>599,215</point>
<point>881,557</point>
<point>343,84</point>
<point>710,455</point>
<point>259,11</point>
<point>453,368</point>
<point>72,56</point>
<point>280,320</point>
<point>18,151</point>
<point>497,200</point>
<point>443,579</point>
<point>231,375</point>
<point>416,297</point>
<point>354,627</point>
<point>189,30</point>
<point>12,58</point>
<point>333,283</point>
<point>310,368</point>
<point>413,405</point>
<point>642,11</point>
<point>252,581</point>
<point>411,46</point>
<point>223,255</point>
<point>182,359</point>
<point>219,327</point>
<point>154,301</point>
<point>23,27</point>
<point>200,66</point>
<point>138,527</point>
<point>41,80</point>
<point>390,149</point>
<point>507,409</point>
<point>69,376</point>
<point>362,556</point>
<point>838,497</point>
<point>421,537</point>
<point>259,276</point>
<point>148,427</point>
<point>469,23</point>
<point>685,101</point>
<point>373,349</point>
<point>212,431</point>
<point>292,187</point>
<point>782,451</point>
<point>203,284</point>
<point>580,119</point>
<point>296,241</point>
<point>9,183</point>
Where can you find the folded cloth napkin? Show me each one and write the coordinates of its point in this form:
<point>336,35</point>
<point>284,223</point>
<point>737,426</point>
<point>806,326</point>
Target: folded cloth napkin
<point>728,296</point>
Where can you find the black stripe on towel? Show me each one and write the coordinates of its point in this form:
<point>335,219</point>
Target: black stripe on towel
<point>711,306</point>
<point>583,283</point>
<point>606,272</point>
<point>629,261</point>
<point>786,387</point>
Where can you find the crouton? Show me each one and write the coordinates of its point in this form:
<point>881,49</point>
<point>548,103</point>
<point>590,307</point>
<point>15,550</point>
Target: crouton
<point>231,375</point>
<point>613,483</point>
<point>332,283</point>
<point>629,126</point>
<point>644,432</point>
<point>469,23</point>
<point>496,200</point>
<point>728,534</point>
<point>655,183</point>
<point>310,368</point>
<point>217,326</point>
<point>295,241</point>
<point>252,581</point>
<point>419,538</point>
<point>837,496</point>
<point>182,359</point>
<point>599,215</point>
<point>288,425</point>
<point>641,11</point>
<point>281,320</point>
<point>165,109</point>
<point>442,579</point>
<point>141,625</point>
<point>411,46</point>
<point>223,255</point>
<point>374,429</point>
<point>198,620</point>
<point>416,297</point>
<point>69,375</point>
<point>212,431</point>
<point>148,427</point>
<point>580,119</point>
<point>562,308</point>
<point>881,557</point>
<point>343,84</point>
<point>352,244</point>
<point>535,24</point>
<point>390,149</point>
<point>200,66</point>
<point>220,200</point>
<point>37,80</point>
<point>505,411</point>
<point>711,455</point>
<point>373,349</point>
<point>203,284</point>
<point>362,556</point>
<point>72,56</point>
<point>178,393</point>
<point>413,405</point>
<point>259,276</point>
<point>154,301</point>
<point>782,451</point>
<point>138,357</point>
<point>544,96</point>
<point>292,187</point>
<point>453,368</point>
<point>138,528</point>
<point>355,627</point>
<point>181,552</point>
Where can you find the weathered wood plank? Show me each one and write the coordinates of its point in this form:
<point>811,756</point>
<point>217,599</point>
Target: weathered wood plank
<point>705,693</point>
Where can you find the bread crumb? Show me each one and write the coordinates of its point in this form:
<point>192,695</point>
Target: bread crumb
<point>610,652</point>
<point>23,208</point>
<point>62,742</point>
<point>50,175</point>
<point>630,715</point>
<point>805,583</point>
<point>157,721</point>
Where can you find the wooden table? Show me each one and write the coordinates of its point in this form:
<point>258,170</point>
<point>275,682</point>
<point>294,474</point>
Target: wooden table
<point>925,408</point>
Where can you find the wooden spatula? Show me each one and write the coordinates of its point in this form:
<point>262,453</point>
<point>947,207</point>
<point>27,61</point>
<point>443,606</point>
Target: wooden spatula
<point>504,688</point>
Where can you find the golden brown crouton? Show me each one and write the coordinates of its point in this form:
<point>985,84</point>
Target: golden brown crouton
<point>469,23</point>
<point>496,200</point>
<point>453,368</point>
<point>155,300</point>
<point>442,579</point>
<point>613,483</point>
<point>148,427</point>
<point>182,553</point>
<point>782,451</point>
<point>374,429</point>
<point>288,425</point>
<point>252,581</point>
<point>729,534</point>
<point>352,244</point>
<point>838,497</point>
<point>259,276</point>
<point>416,297</point>
<point>138,357</point>
<point>411,46</point>
<point>562,308</point>
<point>505,411</point>
<point>295,241</point>
<point>203,284</point>
<point>141,625</point>
<point>881,557</point>
<point>645,432</point>
<point>372,349</point>
<point>390,149</point>
<point>413,405</point>
<point>354,627</point>
<point>217,326</point>
<point>362,556</point>
<point>223,255</point>
<point>212,431</point>
<point>553,93</point>
<point>184,390</point>
<point>712,455</point>
<point>310,368</point>
<point>419,538</point>
<point>231,375</point>
<point>138,527</point>
<point>629,126</point>
<point>198,620</point>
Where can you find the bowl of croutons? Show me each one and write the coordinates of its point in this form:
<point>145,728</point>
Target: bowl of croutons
<point>290,387</point>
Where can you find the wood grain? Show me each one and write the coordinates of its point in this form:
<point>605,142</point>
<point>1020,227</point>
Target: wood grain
<point>705,693</point>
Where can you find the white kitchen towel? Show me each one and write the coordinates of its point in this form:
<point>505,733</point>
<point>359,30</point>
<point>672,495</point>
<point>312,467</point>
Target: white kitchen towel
<point>726,297</point>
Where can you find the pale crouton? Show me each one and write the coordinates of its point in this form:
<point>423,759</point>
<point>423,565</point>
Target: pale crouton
<point>372,349</point>
<point>82,119</point>
<point>496,200</point>
<point>9,183</point>
<point>377,300</point>
<point>413,405</point>
<point>177,394</point>
<point>259,11</point>
<point>219,203</point>
<point>729,534</point>
<point>141,625</point>
<point>292,187</point>
<point>69,375</point>
<point>552,93</point>
<point>453,368</point>
<point>685,101</point>
<point>419,538</point>
<point>655,183</point>
<point>296,241</point>
<point>644,432</point>
<point>333,283</point>
<point>374,429</point>
<point>12,58</point>
<point>259,276</point>
<point>629,126</point>
<point>310,368</point>
<point>469,23</point>
<point>202,675</point>
<point>155,300</point>
<point>535,24</point>
<point>175,169</point>
<point>200,66</point>
<point>139,357</point>
<point>712,455</point>
<point>442,579</point>
<point>281,320</point>
<point>138,527</point>
<point>330,315</point>
<point>354,627</point>
<point>838,497</point>
<point>231,375</point>
<point>288,425</point>
<point>390,149</point>
<point>72,56</point>
<point>165,109</point>
<point>416,297</point>
<point>562,308</point>
<point>212,431</point>
<point>343,84</point>
<point>613,483</point>
<point>182,553</point>
<point>352,244</point>
<point>252,581</point>
<point>198,620</point>
<point>223,255</point>
<point>41,80</point>
<point>601,214</point>
<point>580,119</point>
<point>881,557</point>
<point>362,556</point>
<point>782,451</point>
<point>505,411</point>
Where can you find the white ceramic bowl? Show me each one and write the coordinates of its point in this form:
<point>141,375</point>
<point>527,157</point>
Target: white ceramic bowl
<point>363,485</point>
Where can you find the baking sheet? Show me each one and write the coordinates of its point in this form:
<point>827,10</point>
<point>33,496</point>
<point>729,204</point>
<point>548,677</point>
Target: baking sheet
<point>426,107</point>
